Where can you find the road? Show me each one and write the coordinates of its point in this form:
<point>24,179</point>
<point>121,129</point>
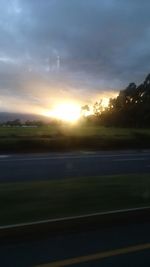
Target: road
<point>113,245</point>
<point>124,245</point>
<point>68,165</point>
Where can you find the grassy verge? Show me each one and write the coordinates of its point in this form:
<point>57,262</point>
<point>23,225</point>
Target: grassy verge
<point>30,201</point>
<point>46,138</point>
<point>77,130</point>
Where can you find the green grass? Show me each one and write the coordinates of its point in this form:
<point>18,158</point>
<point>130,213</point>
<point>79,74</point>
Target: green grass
<point>30,201</point>
<point>12,132</point>
<point>96,131</point>
<point>75,137</point>
<point>69,130</point>
<point>104,132</point>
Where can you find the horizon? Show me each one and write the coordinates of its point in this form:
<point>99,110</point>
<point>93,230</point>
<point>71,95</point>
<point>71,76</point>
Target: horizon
<point>60,53</point>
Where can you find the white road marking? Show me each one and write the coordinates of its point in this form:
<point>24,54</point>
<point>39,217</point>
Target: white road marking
<point>132,159</point>
<point>86,156</point>
<point>75,217</point>
<point>4,156</point>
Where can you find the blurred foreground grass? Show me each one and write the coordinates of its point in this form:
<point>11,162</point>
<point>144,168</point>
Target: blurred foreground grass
<point>77,130</point>
<point>31,201</point>
<point>75,137</point>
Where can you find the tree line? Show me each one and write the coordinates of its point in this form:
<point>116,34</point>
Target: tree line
<point>131,108</point>
<point>18,122</point>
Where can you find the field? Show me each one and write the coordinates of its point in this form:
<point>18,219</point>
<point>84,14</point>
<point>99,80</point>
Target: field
<point>77,130</point>
<point>50,138</point>
<point>31,201</point>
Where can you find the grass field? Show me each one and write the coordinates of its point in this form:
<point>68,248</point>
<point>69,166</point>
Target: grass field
<point>50,138</point>
<point>43,131</point>
<point>30,201</point>
<point>77,130</point>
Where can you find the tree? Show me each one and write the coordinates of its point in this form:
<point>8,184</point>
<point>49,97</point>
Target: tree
<point>16,122</point>
<point>84,110</point>
<point>98,108</point>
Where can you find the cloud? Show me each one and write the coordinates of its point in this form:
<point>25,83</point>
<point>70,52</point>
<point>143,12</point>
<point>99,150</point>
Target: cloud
<point>76,46</point>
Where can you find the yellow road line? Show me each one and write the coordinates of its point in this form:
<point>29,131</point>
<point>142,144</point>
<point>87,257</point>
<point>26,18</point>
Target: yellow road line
<point>97,256</point>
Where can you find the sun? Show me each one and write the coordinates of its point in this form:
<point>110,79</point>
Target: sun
<point>68,112</point>
<point>71,111</point>
<point>105,102</point>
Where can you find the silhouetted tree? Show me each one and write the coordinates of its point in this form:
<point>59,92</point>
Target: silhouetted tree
<point>98,108</point>
<point>131,108</point>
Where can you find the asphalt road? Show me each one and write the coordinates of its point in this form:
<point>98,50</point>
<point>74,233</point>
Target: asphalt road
<point>68,165</point>
<point>124,245</point>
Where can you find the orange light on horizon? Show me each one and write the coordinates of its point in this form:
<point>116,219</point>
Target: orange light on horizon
<point>105,102</point>
<point>72,111</point>
<point>69,112</point>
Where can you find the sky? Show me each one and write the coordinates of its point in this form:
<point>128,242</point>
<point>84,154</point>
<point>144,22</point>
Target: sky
<point>62,50</point>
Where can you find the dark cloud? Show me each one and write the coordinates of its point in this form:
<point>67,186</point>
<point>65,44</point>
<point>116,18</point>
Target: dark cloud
<point>83,45</point>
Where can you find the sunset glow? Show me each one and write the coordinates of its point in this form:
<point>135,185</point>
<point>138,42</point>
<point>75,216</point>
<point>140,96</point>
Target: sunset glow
<point>105,102</point>
<point>68,112</point>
